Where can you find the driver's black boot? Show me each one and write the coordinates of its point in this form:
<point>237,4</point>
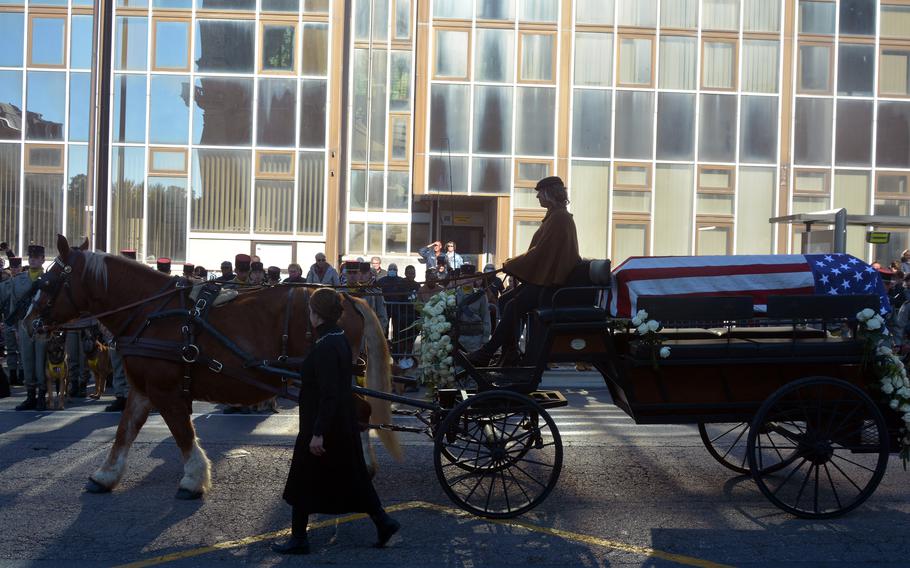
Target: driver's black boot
<point>29,402</point>
<point>41,403</point>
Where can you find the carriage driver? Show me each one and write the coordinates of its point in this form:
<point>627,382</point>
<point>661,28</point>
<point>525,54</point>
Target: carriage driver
<point>31,349</point>
<point>551,256</point>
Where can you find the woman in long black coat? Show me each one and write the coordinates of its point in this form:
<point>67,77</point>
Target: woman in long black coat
<point>328,473</point>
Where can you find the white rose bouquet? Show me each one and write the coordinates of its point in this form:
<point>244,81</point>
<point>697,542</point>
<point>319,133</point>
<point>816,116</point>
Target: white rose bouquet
<point>437,315</point>
<point>647,329</point>
<point>889,370</point>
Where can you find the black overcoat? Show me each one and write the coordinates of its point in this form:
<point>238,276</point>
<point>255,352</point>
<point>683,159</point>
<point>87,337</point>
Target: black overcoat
<point>336,482</point>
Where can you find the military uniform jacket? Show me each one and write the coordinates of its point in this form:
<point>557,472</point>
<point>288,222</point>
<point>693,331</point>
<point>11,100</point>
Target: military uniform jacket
<point>336,482</point>
<point>16,288</point>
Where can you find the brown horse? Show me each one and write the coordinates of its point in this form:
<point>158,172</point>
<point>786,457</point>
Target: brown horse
<point>84,284</point>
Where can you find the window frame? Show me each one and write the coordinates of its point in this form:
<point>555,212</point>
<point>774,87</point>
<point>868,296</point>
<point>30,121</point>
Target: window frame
<point>894,196</point>
<point>285,176</point>
<point>394,117</point>
<point>469,62</point>
<point>273,20</point>
<point>729,190</point>
<point>526,183</point>
<point>705,221</point>
<point>523,215</point>
<point>894,4</point>
<point>34,169</point>
<point>829,45</point>
<point>46,15</point>
<point>892,46</point>
<point>553,58</point>
<point>152,171</point>
<point>189,43</point>
<point>713,38</point>
<point>824,192</point>
<point>643,220</point>
<point>649,175</point>
<point>617,82</point>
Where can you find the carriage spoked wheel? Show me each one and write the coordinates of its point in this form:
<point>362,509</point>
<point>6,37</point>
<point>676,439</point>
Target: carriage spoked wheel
<point>498,454</point>
<point>830,447</point>
<point>727,443</point>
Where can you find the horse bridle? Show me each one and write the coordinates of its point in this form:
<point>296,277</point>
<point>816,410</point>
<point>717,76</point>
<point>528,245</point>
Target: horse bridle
<point>51,283</point>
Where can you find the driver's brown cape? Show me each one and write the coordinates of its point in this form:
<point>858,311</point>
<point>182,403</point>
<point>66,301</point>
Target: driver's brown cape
<point>553,252</point>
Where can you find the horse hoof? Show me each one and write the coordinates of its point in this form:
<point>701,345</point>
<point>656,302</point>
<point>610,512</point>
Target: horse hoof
<point>94,487</point>
<point>187,495</point>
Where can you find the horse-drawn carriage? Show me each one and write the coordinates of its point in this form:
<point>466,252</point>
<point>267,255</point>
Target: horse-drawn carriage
<point>782,397</point>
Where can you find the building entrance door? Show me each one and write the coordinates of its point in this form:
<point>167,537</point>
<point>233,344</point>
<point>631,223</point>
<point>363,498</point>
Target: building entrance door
<point>469,242</point>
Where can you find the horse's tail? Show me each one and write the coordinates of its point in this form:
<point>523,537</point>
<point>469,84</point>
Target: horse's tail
<point>379,374</point>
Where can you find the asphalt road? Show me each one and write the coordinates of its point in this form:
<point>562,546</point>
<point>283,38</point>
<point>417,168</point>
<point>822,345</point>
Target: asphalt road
<point>628,496</point>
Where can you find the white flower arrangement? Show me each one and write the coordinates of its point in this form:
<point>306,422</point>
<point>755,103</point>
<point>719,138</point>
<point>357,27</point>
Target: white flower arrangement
<point>890,372</point>
<point>647,329</point>
<point>437,314</point>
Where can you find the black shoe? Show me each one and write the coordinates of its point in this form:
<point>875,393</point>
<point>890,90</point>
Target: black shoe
<point>41,403</point>
<point>29,402</point>
<point>294,545</point>
<point>117,406</point>
<point>385,529</point>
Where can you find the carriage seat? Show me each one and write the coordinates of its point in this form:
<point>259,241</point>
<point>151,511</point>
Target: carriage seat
<point>572,314</point>
<point>576,301</point>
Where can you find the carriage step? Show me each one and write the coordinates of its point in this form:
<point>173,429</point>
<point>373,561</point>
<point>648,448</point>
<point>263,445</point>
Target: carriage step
<point>549,399</point>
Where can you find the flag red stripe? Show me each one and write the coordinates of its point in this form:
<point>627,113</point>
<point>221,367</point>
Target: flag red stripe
<point>703,271</point>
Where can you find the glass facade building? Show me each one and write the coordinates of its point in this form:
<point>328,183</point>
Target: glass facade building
<point>196,129</point>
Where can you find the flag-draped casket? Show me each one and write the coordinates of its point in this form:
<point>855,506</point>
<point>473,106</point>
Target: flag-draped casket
<point>758,276</point>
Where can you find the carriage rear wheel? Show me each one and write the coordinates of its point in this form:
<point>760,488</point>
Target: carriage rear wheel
<point>727,443</point>
<point>827,450</point>
<point>498,454</point>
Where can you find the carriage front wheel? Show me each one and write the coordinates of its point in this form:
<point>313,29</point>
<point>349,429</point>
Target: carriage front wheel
<point>827,450</point>
<point>498,454</point>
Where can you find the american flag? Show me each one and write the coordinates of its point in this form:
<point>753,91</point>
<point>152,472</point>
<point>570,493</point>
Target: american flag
<point>758,276</point>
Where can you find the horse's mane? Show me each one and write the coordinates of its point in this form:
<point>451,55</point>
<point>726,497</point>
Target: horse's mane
<point>96,267</point>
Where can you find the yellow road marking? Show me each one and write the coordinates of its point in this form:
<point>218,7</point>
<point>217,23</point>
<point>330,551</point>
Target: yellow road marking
<point>558,533</point>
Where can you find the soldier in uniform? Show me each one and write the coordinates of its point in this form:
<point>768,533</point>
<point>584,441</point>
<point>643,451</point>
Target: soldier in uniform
<point>164,265</point>
<point>10,333</point>
<point>473,312</point>
<point>227,272</point>
<point>242,267</point>
<point>189,272</point>
<point>257,273</point>
<point>31,349</point>
<point>273,276</point>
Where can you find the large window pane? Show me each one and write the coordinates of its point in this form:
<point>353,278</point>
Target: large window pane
<point>11,101</point>
<point>278,43</point>
<point>169,112</point>
<point>42,207</point>
<point>273,212</point>
<point>720,15</point>
<point>362,18</point>
<point>816,17</point>
<point>402,19</point>
<point>129,108</point>
<point>380,20</point>
<point>376,192</point>
<point>360,107</point>
<point>221,191</point>
<point>812,132</point>
<point>673,193</point>
<point>895,22</point>
<point>448,128</point>
<point>450,9</point>
<point>760,66</point>
<point>536,120</point>
<point>131,43</point>
<point>76,193</point>
<point>12,27</point>
<point>275,115</point>
<point>355,238</point>
<point>893,142</point>
<point>80,42</point>
<point>599,12</point>
<point>357,198</point>
<point>245,5</point>
<point>634,61</point>
<point>537,56</point>
<point>851,191</point>
<point>396,238</point>
<point>167,218</point>
<point>857,17</point>
<point>224,46</point>
<point>758,130</point>
<point>495,9</point>
<point>754,234</point>
<point>80,105</point>
<point>223,111</point>
<point>492,120</point>
<point>491,175</point>
<point>678,13</point>
<point>814,68</point>
<point>400,81</point>
<point>537,10</point>
<point>640,13</point>
<point>312,113</point>
<point>451,58</point>
<point>856,70</point>
<point>171,45</point>
<point>634,124</point>
<point>761,16</point>
<point>280,5</point>
<point>717,128</point>
<point>315,49</point>
<point>398,192</point>
<point>593,59</point>
<point>377,106</point>
<point>719,70</point>
<point>9,190</point>
<point>678,61</point>
<point>894,75</point>
<point>591,121</point>
<point>854,133</point>
<point>675,126</point>
<point>45,102</point>
<point>494,59</point>
<point>47,39</point>
<point>448,174</point>
<point>629,239</point>
<point>127,185</point>
<point>590,195</point>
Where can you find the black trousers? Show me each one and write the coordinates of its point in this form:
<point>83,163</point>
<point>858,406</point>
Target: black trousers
<point>513,305</point>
